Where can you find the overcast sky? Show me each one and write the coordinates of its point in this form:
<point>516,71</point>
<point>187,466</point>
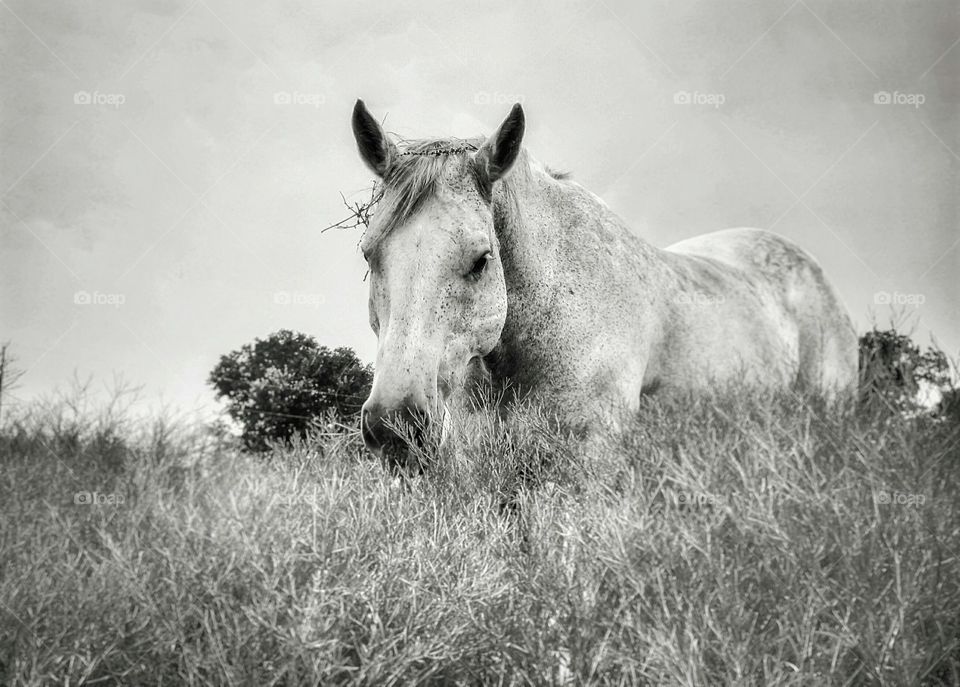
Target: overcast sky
<point>167,166</point>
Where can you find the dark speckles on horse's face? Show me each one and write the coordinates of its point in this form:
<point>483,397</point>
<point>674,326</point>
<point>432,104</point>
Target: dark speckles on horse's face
<point>441,300</point>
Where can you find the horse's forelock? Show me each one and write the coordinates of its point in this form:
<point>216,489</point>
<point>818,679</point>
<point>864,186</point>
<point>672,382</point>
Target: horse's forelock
<point>418,173</point>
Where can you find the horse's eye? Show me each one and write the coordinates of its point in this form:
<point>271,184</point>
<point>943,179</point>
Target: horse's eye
<point>479,266</point>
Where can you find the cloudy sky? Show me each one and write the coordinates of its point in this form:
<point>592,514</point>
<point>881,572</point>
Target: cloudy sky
<point>167,166</point>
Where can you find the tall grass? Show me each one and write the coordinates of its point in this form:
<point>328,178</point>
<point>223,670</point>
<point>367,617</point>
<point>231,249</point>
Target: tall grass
<point>740,539</point>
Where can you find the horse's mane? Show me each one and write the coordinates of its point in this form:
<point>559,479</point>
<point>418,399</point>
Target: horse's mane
<point>419,171</point>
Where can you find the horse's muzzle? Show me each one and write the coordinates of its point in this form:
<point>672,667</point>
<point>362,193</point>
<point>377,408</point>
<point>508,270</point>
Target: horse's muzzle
<point>394,433</point>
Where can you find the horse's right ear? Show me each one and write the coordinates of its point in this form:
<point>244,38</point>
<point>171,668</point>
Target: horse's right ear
<point>498,153</point>
<point>375,148</point>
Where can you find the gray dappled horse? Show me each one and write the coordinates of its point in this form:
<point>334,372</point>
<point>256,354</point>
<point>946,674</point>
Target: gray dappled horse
<point>480,256</point>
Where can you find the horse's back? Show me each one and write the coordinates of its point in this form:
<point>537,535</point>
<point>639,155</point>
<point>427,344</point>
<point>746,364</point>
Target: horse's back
<point>748,249</point>
<point>799,304</point>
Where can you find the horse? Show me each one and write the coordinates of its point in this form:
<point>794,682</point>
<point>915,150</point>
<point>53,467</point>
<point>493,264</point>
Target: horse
<point>479,256</point>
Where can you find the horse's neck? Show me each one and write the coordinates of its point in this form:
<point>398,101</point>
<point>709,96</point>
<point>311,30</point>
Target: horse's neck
<point>556,238</point>
<point>549,229</point>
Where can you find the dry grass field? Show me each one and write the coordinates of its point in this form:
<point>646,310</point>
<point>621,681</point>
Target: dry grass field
<point>738,540</point>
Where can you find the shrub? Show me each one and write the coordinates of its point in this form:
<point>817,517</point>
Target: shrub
<point>276,387</point>
<point>892,369</point>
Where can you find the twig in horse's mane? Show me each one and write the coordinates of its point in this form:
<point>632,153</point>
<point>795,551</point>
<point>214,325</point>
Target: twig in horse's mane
<point>360,212</point>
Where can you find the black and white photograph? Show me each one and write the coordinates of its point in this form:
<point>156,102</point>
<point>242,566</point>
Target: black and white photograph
<point>584,342</point>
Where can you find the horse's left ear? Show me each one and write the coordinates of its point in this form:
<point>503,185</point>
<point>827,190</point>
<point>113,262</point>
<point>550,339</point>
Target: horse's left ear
<point>498,153</point>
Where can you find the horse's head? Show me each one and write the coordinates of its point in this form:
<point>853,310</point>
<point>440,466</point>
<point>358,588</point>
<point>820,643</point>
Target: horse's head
<point>437,300</point>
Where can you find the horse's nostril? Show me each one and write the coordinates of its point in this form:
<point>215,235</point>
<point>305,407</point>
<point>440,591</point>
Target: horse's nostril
<point>393,429</point>
<point>369,436</point>
<point>372,428</point>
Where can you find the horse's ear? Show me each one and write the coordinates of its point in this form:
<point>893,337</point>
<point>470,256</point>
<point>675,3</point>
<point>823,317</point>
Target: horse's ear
<point>375,148</point>
<point>500,151</point>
